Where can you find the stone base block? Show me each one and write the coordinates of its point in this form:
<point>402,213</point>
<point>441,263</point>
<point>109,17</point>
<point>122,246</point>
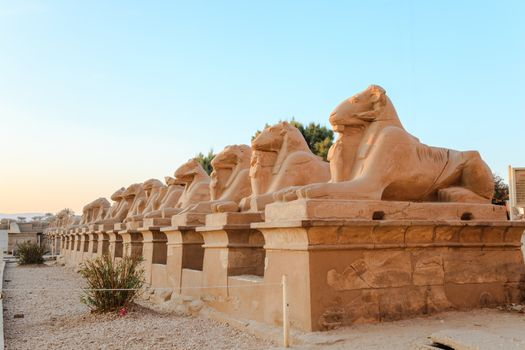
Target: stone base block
<point>104,227</point>
<point>119,226</point>
<point>157,222</point>
<point>342,272</point>
<point>134,225</point>
<point>333,209</point>
<point>188,219</point>
<point>232,219</point>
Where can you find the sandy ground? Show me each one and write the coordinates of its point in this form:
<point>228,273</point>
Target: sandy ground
<point>57,320</point>
<point>414,333</point>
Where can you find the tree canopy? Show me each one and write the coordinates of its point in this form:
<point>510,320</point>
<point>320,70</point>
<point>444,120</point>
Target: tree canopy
<point>205,160</point>
<point>501,190</point>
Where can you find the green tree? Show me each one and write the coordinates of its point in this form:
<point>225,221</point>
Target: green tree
<point>205,160</point>
<point>501,190</point>
<point>319,138</point>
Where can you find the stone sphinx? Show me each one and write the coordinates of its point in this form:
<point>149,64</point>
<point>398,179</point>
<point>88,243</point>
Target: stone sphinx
<point>281,160</point>
<point>118,211</point>
<point>375,158</point>
<point>64,219</point>
<point>86,212</point>
<point>171,196</point>
<point>135,196</point>
<point>230,181</point>
<point>196,188</point>
<point>154,191</point>
<point>99,209</point>
<point>94,211</point>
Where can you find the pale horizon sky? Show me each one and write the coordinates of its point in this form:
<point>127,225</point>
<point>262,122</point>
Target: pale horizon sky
<point>97,95</point>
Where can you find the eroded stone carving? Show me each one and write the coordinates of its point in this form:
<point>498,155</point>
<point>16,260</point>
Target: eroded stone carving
<point>230,181</point>
<point>375,158</point>
<point>171,196</point>
<point>196,188</point>
<point>135,196</point>
<point>154,191</point>
<point>281,159</point>
<point>94,211</point>
<point>118,211</point>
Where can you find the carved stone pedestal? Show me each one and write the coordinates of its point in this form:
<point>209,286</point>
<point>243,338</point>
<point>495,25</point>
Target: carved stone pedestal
<point>63,244</point>
<point>70,243</point>
<point>342,272</point>
<point>92,246</point>
<point>185,254</point>
<point>131,242</point>
<point>231,248</point>
<point>154,252</point>
<point>103,240</point>
<point>115,246</point>
<point>82,246</point>
<point>336,209</point>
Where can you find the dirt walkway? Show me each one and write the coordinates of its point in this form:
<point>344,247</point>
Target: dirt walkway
<point>57,320</point>
<point>501,327</point>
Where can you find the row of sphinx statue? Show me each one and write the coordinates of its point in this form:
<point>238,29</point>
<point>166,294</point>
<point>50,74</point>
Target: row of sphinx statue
<point>373,158</point>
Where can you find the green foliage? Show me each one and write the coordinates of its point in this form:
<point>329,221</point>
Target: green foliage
<point>124,277</point>
<point>319,138</point>
<point>501,190</point>
<point>205,160</point>
<point>29,253</point>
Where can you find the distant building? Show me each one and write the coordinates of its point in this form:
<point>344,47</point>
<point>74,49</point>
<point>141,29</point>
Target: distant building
<point>13,233</point>
<point>4,227</point>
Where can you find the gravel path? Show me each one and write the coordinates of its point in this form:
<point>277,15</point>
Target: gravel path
<point>57,320</point>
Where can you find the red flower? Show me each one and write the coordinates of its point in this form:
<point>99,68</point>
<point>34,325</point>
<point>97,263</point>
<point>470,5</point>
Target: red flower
<point>123,312</point>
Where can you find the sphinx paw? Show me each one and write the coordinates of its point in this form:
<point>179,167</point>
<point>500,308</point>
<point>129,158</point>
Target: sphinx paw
<point>290,196</point>
<point>280,195</point>
<point>313,191</point>
<point>225,207</point>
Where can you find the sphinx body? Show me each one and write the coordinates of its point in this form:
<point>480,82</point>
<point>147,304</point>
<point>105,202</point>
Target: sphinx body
<point>172,193</point>
<point>118,211</point>
<point>281,160</point>
<point>230,181</point>
<point>375,158</point>
<point>135,196</point>
<point>86,212</point>
<point>196,187</point>
<point>94,211</point>
<point>154,191</point>
<point>99,209</point>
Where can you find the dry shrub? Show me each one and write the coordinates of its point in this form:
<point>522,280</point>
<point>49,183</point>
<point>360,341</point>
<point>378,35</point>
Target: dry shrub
<point>111,285</point>
<point>29,253</point>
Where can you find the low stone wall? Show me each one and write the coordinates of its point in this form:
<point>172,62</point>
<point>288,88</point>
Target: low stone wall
<point>376,271</point>
<point>340,272</point>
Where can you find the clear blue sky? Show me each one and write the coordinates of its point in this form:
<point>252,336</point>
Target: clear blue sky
<point>95,95</point>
